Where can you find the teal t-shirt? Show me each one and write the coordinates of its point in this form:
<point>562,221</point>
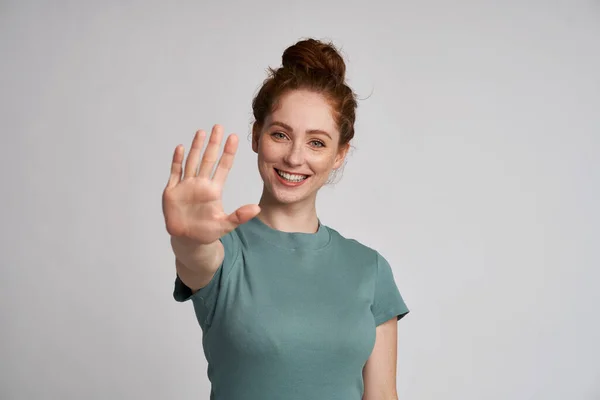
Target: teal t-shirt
<point>292,315</point>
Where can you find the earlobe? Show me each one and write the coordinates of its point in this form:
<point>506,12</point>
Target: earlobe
<point>341,156</point>
<point>338,162</point>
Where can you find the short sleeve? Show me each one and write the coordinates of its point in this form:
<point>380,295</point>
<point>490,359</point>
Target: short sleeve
<point>387,302</point>
<point>205,299</point>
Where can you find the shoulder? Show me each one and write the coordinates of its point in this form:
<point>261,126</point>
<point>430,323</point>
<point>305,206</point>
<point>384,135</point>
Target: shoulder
<point>353,248</point>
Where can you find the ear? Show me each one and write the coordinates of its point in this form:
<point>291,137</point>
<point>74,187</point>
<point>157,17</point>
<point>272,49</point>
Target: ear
<point>255,136</point>
<point>341,155</point>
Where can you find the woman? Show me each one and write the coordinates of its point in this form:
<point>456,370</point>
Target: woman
<point>289,308</point>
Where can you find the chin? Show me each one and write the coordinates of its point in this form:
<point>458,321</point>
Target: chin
<point>287,198</point>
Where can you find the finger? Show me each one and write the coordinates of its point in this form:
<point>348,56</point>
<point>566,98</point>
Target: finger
<point>226,161</point>
<point>211,153</point>
<point>243,214</point>
<point>193,158</point>
<point>175,176</point>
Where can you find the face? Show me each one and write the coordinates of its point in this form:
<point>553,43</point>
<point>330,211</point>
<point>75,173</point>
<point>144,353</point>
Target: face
<point>298,147</point>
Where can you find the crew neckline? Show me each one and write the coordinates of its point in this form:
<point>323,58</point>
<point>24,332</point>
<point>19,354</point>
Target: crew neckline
<point>291,240</point>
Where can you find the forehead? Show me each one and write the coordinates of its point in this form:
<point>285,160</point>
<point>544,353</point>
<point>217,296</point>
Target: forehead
<point>304,110</point>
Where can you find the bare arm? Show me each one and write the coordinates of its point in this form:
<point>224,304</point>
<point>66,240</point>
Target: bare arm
<point>193,209</point>
<point>196,264</point>
<point>379,373</point>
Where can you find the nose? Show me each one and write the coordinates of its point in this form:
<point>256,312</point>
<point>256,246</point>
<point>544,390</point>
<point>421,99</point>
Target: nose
<point>295,155</point>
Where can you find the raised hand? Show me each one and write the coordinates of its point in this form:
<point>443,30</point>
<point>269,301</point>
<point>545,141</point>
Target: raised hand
<point>192,202</point>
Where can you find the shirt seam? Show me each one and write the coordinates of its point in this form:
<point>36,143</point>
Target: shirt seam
<point>325,246</point>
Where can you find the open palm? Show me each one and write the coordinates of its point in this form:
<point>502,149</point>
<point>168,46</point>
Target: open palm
<point>192,202</point>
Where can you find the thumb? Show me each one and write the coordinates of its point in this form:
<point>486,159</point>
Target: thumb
<point>243,214</point>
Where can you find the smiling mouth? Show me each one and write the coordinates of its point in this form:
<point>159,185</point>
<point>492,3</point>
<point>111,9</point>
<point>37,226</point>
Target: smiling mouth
<point>291,177</point>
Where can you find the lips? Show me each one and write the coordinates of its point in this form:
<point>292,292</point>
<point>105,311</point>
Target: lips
<point>292,173</point>
<point>289,180</point>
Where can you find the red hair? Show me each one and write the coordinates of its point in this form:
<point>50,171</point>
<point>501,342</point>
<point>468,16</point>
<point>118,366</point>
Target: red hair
<point>313,65</point>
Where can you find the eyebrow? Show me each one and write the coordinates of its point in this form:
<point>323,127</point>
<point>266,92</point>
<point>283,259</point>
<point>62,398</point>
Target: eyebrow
<point>289,128</point>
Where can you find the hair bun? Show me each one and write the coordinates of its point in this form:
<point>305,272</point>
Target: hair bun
<point>311,55</point>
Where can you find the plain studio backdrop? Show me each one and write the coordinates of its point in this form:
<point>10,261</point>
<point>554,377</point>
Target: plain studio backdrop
<point>475,171</point>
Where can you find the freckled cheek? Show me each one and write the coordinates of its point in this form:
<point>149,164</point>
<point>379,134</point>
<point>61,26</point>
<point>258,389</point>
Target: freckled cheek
<point>320,165</point>
<point>271,154</point>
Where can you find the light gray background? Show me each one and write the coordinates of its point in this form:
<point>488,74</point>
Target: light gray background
<point>475,172</point>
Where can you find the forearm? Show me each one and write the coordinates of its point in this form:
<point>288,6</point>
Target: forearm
<point>193,255</point>
<point>195,263</point>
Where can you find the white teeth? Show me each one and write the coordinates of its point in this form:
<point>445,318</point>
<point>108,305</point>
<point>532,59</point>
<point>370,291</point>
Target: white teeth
<point>291,177</point>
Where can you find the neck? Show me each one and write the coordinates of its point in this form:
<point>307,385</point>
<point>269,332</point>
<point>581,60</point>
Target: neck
<point>295,217</point>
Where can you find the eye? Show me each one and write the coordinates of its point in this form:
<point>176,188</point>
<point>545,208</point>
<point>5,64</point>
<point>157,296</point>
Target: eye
<point>278,135</point>
<point>317,143</point>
